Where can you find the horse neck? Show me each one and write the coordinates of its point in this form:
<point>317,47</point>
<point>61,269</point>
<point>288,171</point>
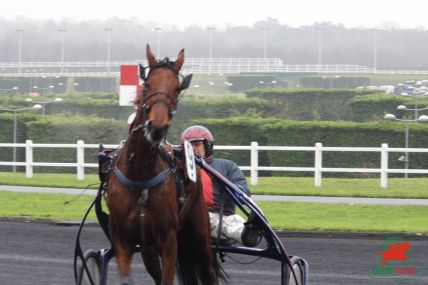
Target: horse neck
<point>139,158</point>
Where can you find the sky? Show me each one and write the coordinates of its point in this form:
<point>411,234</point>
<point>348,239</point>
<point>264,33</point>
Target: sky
<point>222,13</point>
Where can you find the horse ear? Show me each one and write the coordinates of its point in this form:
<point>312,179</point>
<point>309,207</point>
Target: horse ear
<point>150,57</point>
<point>180,60</point>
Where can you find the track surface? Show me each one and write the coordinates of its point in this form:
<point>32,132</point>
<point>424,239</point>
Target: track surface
<point>41,253</point>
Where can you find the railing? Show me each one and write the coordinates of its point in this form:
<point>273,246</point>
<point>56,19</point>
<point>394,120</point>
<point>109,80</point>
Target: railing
<point>254,166</point>
<point>192,65</point>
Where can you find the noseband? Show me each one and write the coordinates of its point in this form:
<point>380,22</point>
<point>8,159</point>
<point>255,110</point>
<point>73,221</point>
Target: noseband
<point>170,102</point>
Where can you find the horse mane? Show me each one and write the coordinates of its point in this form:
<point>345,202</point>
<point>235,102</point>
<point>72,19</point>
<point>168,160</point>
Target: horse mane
<point>138,100</point>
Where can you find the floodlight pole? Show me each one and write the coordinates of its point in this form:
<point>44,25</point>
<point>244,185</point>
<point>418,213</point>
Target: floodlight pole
<point>320,30</point>
<point>19,49</point>
<point>211,30</point>
<point>62,48</point>
<point>108,47</point>
<point>375,49</point>
<point>265,30</point>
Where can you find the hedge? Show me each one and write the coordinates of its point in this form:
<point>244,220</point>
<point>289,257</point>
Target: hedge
<point>310,104</point>
<point>229,131</point>
<point>61,129</point>
<point>94,104</point>
<point>374,107</point>
<point>237,131</point>
<point>294,104</point>
<point>106,105</point>
<point>6,136</point>
<point>193,109</point>
<point>333,82</point>
<point>292,133</point>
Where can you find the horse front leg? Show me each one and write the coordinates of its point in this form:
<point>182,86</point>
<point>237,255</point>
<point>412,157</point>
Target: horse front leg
<point>169,258</point>
<point>150,257</point>
<point>124,252</point>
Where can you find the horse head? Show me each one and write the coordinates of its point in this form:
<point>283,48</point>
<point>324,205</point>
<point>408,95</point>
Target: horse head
<point>162,87</point>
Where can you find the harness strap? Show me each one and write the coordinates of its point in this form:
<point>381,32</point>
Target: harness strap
<point>158,179</point>
<point>143,187</point>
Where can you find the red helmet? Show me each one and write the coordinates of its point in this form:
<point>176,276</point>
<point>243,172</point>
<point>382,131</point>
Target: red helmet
<point>199,133</point>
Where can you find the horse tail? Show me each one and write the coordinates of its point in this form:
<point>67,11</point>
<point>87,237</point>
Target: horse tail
<point>195,267</point>
<point>196,261</point>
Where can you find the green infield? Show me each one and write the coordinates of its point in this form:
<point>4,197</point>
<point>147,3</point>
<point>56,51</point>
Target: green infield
<point>346,217</point>
<point>48,180</point>
<point>343,187</point>
<point>281,215</point>
<point>296,186</point>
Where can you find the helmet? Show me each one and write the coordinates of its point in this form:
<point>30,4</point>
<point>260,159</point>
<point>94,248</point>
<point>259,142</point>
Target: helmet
<point>199,133</point>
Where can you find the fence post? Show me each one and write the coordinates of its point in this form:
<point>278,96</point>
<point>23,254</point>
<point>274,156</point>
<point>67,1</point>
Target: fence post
<point>254,163</point>
<point>29,158</point>
<point>318,164</point>
<point>384,166</point>
<point>80,160</point>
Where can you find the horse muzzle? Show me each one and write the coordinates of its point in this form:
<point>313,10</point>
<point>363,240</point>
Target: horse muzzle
<point>155,134</point>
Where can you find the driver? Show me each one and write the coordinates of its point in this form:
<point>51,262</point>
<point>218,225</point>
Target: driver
<point>233,226</point>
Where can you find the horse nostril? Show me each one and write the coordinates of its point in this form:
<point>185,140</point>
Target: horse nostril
<point>158,124</point>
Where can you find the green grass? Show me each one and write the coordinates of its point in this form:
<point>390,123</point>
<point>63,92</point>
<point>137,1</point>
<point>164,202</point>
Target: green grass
<point>42,206</point>
<point>343,187</point>
<point>296,186</point>
<point>281,215</point>
<point>48,180</point>
<point>346,217</point>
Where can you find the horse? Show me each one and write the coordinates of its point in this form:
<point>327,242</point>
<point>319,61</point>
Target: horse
<point>142,191</point>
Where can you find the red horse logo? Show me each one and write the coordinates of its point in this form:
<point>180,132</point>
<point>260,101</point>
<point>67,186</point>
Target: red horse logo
<point>395,251</point>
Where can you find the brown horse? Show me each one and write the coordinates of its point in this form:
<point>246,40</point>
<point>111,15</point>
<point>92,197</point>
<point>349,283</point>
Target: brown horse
<point>142,193</point>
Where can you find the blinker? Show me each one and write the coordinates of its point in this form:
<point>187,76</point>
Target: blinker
<point>185,83</point>
<point>142,71</point>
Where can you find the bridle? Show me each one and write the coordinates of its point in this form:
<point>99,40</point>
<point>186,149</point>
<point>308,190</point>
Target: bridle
<point>170,100</point>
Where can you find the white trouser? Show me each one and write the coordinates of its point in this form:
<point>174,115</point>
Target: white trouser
<point>232,226</point>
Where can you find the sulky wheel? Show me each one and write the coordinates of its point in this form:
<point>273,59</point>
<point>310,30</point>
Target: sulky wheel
<point>298,269</point>
<point>93,265</point>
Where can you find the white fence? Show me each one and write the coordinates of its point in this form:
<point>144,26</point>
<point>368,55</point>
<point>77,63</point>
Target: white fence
<point>254,166</point>
<point>192,65</point>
